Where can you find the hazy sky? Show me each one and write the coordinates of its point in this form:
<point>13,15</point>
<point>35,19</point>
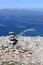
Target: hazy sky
<point>21,4</point>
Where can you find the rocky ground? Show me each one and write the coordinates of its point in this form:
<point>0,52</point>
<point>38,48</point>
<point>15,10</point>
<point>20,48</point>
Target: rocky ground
<point>27,51</point>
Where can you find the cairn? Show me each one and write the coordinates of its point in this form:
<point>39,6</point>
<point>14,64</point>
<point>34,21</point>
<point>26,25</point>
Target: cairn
<point>12,38</point>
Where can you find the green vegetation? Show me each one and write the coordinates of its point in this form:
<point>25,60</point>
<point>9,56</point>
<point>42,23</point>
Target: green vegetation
<point>15,63</point>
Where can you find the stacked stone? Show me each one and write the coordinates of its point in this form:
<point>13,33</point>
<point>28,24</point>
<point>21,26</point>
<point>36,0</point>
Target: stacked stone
<point>12,38</point>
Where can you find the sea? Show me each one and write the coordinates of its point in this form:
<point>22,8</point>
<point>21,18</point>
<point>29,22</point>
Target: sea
<point>21,21</point>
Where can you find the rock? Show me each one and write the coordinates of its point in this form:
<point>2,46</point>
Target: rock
<point>11,62</point>
<point>27,51</point>
<point>16,52</point>
<point>21,51</point>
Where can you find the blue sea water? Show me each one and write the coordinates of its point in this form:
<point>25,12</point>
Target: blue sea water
<point>18,23</point>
